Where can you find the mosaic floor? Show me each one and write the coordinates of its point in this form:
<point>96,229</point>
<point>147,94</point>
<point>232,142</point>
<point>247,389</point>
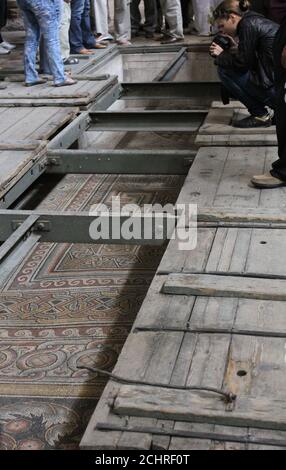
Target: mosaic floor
<point>69,306</point>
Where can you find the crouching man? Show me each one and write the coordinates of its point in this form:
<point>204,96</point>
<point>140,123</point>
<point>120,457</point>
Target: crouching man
<point>243,52</point>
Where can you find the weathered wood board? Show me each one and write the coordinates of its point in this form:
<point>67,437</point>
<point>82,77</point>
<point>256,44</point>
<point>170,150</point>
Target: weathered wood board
<point>82,94</point>
<point>25,128</point>
<point>14,164</point>
<point>220,178</point>
<point>218,130</point>
<point>226,286</point>
<point>252,252</point>
<point>209,314</point>
<point>200,407</point>
<point>24,136</point>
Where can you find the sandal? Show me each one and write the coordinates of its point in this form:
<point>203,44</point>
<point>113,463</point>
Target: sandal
<point>68,82</point>
<point>71,61</point>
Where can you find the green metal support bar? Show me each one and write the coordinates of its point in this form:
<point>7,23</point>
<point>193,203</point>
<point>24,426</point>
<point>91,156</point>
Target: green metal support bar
<point>170,90</point>
<point>159,120</point>
<point>73,227</point>
<point>17,236</point>
<point>128,162</point>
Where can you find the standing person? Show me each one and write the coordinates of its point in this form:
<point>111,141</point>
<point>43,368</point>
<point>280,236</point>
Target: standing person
<point>42,18</point>
<point>172,12</point>
<point>150,9</point>
<point>82,40</point>
<point>277,175</point>
<point>246,68</point>
<point>202,14</point>
<point>185,6</point>
<point>64,33</point>
<point>5,47</point>
<point>100,20</point>
<point>122,22</point>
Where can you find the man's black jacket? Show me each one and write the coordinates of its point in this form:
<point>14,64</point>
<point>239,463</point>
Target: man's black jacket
<point>256,36</point>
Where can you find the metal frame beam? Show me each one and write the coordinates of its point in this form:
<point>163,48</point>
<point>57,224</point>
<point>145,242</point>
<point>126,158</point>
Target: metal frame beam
<point>73,227</point>
<point>169,72</point>
<point>170,90</point>
<point>148,162</point>
<point>17,236</point>
<point>159,120</point>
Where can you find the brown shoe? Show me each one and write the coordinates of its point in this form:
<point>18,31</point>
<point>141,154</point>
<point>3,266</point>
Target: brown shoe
<point>100,46</point>
<point>267,181</point>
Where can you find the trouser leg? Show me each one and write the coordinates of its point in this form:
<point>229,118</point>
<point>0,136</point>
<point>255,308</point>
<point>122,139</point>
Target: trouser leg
<point>173,14</point>
<point>87,36</point>
<point>76,39</point>
<point>135,15</point>
<point>32,40</point>
<point>279,167</point>
<point>185,12</point>
<point>101,16</point>
<point>64,30</point>
<point>122,20</point>
<point>239,87</point>
<point>150,16</point>
<point>49,20</point>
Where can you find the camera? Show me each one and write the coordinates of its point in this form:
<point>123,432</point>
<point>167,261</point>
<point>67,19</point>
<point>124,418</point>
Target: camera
<point>223,41</point>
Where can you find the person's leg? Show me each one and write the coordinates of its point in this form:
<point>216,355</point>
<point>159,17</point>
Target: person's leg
<point>76,39</point>
<point>173,14</point>
<point>239,87</point>
<point>150,16</point>
<point>64,30</point>
<point>88,37</point>
<point>32,40</point>
<point>122,21</point>
<point>135,16</point>
<point>185,13</point>
<point>279,167</point>
<point>202,11</point>
<point>276,177</point>
<point>101,16</point>
<point>48,17</point>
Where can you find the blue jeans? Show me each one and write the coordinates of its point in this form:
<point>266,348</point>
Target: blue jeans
<point>241,88</point>
<point>80,29</point>
<point>41,17</point>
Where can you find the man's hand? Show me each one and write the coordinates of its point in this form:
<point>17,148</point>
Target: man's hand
<point>215,50</point>
<point>283,58</point>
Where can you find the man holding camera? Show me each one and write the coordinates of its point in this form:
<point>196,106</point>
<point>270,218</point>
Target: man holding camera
<point>246,66</point>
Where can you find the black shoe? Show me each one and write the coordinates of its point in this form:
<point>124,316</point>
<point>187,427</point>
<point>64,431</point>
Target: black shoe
<point>149,35</point>
<point>252,122</point>
<point>71,61</point>
<point>171,40</point>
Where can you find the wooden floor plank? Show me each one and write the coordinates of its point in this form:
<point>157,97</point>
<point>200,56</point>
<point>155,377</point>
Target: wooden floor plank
<point>225,286</point>
<point>198,406</point>
<point>218,129</point>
